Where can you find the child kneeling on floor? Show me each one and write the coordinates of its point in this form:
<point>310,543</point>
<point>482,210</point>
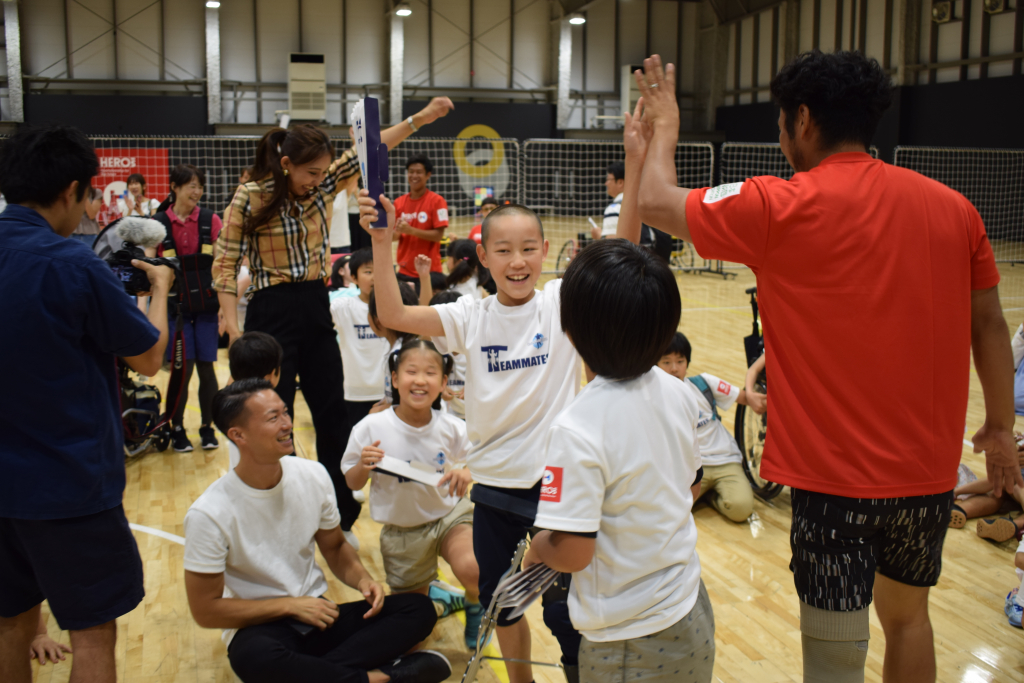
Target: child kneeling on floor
<point>621,477</point>
<point>420,522</point>
<point>724,482</point>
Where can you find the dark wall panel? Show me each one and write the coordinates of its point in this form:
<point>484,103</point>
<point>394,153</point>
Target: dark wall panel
<point>121,114</point>
<point>513,120</point>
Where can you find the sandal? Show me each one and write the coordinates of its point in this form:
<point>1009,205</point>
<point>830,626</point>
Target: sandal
<point>999,529</point>
<point>957,518</point>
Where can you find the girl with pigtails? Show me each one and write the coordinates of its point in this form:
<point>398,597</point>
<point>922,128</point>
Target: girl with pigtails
<point>280,220</point>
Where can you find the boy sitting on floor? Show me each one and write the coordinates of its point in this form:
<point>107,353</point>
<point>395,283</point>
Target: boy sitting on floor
<point>724,482</point>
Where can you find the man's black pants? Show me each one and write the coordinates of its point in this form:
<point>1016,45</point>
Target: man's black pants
<point>298,315</point>
<point>278,651</point>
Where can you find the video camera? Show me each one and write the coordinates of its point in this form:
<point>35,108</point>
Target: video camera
<point>138,234</point>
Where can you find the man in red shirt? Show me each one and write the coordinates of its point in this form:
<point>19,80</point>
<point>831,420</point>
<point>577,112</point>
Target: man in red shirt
<point>874,283</point>
<point>422,220</point>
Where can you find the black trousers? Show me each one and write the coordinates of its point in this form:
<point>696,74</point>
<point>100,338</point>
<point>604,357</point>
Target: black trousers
<point>278,651</point>
<point>358,238</point>
<point>298,315</point>
<point>207,390</point>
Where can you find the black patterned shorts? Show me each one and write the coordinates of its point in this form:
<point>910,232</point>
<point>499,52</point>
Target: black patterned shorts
<point>839,543</point>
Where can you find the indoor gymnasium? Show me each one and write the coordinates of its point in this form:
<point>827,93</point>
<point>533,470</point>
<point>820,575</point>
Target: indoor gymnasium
<point>366,340</point>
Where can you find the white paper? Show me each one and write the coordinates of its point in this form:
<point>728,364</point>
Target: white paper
<point>360,134</point>
<point>416,471</point>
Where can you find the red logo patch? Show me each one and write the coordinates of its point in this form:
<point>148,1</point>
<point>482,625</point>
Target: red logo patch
<point>551,485</point>
<point>724,388</point>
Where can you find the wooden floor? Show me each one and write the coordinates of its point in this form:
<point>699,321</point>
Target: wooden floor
<point>745,566</point>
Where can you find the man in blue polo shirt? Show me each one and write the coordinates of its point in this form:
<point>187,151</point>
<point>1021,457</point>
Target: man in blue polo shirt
<point>63,532</point>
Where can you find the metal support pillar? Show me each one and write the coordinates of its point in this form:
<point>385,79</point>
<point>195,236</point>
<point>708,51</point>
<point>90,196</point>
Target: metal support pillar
<point>397,67</point>
<point>564,73</point>
<point>213,106</point>
<point>908,24</point>
<point>15,91</point>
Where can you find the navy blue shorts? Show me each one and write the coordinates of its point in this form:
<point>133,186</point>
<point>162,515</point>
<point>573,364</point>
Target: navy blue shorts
<point>87,567</point>
<point>200,337</point>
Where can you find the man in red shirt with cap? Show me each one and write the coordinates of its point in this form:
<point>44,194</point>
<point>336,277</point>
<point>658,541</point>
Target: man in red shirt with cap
<point>867,275</point>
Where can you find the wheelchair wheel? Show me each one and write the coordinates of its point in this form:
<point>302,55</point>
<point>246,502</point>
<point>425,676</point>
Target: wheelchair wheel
<point>751,431</point>
<point>567,253</point>
<point>682,254</point>
<point>162,439</point>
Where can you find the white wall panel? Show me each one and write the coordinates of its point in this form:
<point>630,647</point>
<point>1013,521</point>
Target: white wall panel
<point>664,24</point>
<point>491,49</point>
<point>874,45</point>
<point>185,42</point>
<point>806,25</point>
<point>367,40</point>
<point>451,43</point>
<point>321,33</point>
<point>1001,42</point>
<point>42,38</point>
<point>632,31</point>
<point>691,31</point>
<point>601,62</point>
<point>92,42</point>
<point>764,58</point>
<point>827,32</point>
<point>138,39</point>
<point>532,45</point>
<point>417,46</point>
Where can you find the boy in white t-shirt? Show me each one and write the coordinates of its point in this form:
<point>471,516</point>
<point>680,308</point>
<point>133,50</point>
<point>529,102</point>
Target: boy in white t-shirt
<point>724,482</point>
<point>361,348</point>
<point>250,565</point>
<point>623,470</point>
<point>523,371</point>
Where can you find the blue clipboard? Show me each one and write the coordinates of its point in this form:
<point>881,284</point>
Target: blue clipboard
<point>373,154</point>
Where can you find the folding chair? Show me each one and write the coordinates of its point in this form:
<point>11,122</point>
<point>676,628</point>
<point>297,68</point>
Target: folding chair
<point>490,622</point>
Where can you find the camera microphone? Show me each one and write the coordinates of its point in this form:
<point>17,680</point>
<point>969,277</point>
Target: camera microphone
<point>144,232</point>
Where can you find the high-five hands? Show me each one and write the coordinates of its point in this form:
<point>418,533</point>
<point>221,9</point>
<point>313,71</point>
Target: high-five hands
<point>658,89</point>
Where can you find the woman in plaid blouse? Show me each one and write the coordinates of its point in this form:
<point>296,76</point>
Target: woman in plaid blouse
<point>280,221</point>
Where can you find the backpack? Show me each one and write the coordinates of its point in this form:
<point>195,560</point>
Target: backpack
<point>195,285</point>
<point>699,382</point>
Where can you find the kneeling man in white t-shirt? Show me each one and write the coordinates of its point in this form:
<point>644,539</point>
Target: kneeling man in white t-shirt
<point>622,472</point>
<point>250,565</point>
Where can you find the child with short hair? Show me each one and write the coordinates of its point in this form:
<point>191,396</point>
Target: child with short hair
<point>724,481</point>
<point>254,355</point>
<point>523,371</point>
<point>361,347</point>
<point>420,523</point>
<point>623,471</point>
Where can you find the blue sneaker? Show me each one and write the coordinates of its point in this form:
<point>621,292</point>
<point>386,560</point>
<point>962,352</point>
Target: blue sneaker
<point>450,602</point>
<point>474,614</point>
<point>1013,611</point>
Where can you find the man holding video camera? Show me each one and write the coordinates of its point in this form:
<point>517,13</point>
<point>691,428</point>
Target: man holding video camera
<point>65,316</point>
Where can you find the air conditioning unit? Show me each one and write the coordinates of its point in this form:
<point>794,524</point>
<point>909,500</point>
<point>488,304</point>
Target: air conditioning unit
<point>996,6</point>
<point>627,87</point>
<point>307,86</point>
<point>942,12</point>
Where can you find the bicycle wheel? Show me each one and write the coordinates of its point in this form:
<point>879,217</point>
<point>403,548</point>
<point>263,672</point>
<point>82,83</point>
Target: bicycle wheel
<point>751,431</point>
<point>566,255</point>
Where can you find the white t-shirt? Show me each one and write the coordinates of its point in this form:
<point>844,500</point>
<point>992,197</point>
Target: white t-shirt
<point>360,349</point>
<point>717,445</point>
<point>610,223</point>
<point>469,287</point>
<point>146,208</point>
<point>620,461</point>
<point>339,235</point>
<point>263,540</point>
<point>456,378</point>
<point>522,370</point>
<point>234,456</point>
<point>399,501</point>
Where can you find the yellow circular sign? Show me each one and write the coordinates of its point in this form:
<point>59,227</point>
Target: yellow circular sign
<point>478,130</point>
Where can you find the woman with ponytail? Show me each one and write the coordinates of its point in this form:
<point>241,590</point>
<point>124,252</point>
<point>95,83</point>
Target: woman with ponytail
<point>280,220</point>
<point>465,274</point>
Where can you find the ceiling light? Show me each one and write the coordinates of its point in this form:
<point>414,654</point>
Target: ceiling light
<point>213,4</point>
<point>577,19</point>
<point>403,9</point>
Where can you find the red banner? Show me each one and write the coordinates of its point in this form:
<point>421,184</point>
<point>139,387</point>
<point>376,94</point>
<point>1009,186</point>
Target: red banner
<point>115,167</point>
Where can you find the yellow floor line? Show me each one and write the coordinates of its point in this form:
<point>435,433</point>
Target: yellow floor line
<point>490,650</point>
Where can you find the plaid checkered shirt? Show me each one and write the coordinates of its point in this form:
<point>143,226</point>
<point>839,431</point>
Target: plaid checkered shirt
<point>294,246</point>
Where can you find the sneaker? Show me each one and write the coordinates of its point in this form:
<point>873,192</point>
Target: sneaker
<point>957,518</point>
<point>180,440</point>
<point>999,529</point>
<point>474,614</point>
<point>425,666</point>
<point>352,540</point>
<point>208,437</point>
<point>451,602</point>
<point>1013,611</point>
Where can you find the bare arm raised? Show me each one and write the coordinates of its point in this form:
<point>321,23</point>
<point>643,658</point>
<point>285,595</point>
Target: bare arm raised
<point>636,136</point>
<point>422,320</point>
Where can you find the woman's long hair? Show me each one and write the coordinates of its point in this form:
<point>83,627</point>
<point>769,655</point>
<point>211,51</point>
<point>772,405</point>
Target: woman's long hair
<point>182,174</point>
<point>302,144</point>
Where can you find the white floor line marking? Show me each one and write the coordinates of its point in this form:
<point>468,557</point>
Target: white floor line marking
<point>968,443</point>
<point>156,532</point>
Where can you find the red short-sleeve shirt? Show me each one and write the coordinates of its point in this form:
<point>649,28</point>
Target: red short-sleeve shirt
<point>864,274</point>
<point>429,212</point>
<point>186,232</point>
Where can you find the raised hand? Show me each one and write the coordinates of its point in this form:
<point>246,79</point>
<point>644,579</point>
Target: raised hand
<point>658,88</point>
<point>438,107</point>
<point>636,132</point>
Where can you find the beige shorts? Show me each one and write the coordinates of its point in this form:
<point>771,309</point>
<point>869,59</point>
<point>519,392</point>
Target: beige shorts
<point>410,553</point>
<point>682,653</point>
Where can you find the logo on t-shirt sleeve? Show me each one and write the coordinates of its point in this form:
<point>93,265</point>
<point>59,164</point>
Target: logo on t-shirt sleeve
<point>551,485</point>
<point>724,388</point>
<point>719,193</point>
<point>442,215</point>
